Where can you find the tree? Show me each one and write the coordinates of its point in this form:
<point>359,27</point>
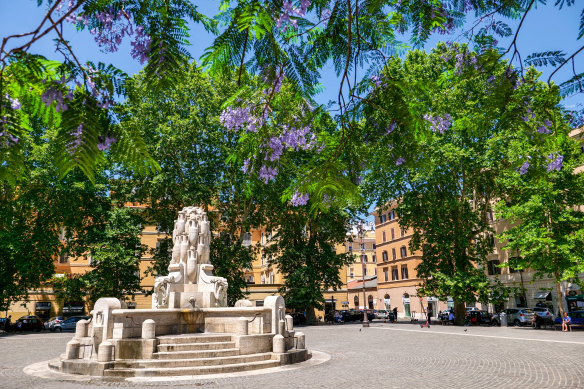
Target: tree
<point>441,137</point>
<point>542,204</point>
<point>181,129</point>
<point>115,257</point>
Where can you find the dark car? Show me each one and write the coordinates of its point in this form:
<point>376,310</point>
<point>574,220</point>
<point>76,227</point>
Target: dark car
<point>68,324</point>
<point>481,317</point>
<point>28,323</point>
<point>576,316</point>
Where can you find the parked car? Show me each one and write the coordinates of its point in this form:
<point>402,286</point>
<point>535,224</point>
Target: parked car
<point>468,309</point>
<point>53,320</point>
<point>68,324</point>
<point>544,312</point>
<point>382,314</point>
<point>481,317</point>
<point>28,323</point>
<point>576,316</point>
<point>519,316</point>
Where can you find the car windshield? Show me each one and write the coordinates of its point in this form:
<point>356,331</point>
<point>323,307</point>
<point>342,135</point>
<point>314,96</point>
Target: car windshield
<point>528,310</point>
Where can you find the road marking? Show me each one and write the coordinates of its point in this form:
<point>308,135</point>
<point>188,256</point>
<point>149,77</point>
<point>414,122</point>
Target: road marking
<point>28,337</point>
<point>478,335</point>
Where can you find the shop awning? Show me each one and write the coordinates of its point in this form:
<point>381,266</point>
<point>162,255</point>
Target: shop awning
<point>542,295</point>
<point>43,306</point>
<point>576,297</point>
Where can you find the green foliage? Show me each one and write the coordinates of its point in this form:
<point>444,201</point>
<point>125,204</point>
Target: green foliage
<point>115,257</point>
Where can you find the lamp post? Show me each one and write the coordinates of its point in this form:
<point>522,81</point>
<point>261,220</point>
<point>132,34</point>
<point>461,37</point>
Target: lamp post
<point>362,239</point>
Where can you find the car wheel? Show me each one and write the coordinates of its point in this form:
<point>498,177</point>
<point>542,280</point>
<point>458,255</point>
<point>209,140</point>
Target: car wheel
<point>517,323</point>
<point>58,329</point>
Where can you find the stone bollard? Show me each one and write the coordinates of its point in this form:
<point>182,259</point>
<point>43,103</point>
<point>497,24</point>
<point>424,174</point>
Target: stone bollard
<point>72,351</point>
<point>282,327</point>
<point>300,341</point>
<point>81,329</point>
<point>104,353</point>
<point>241,326</point>
<point>289,323</point>
<point>279,344</point>
<point>148,329</point>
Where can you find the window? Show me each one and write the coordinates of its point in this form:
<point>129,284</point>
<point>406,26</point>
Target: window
<point>391,215</point>
<point>259,303</point>
<point>350,248</point>
<point>363,258</point>
<point>364,271</point>
<point>394,275</point>
<point>512,265</point>
<point>402,232</point>
<point>403,251</point>
<point>494,268</point>
<point>392,235</point>
<point>384,256</point>
<point>363,246</point>
<point>520,301</point>
<point>383,236</point>
<point>382,219</point>
<point>374,246</point>
<point>351,273</point>
<point>64,257</point>
<point>271,277</point>
<point>249,279</point>
<point>404,271</point>
<point>356,301</point>
<point>385,274</point>
<point>247,239</point>
<point>394,255</point>
<point>374,258</point>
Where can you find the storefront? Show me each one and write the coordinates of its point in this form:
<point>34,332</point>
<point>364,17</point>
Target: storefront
<point>73,309</point>
<point>42,309</point>
<point>575,302</point>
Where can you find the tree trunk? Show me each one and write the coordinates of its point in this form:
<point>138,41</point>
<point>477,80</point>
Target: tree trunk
<point>459,313</point>
<point>311,316</point>
<point>560,297</point>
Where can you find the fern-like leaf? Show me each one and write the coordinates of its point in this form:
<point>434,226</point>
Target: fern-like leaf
<point>545,58</point>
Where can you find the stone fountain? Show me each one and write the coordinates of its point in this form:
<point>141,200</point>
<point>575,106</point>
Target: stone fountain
<point>189,330</point>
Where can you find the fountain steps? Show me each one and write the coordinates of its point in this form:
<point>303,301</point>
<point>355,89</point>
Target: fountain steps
<point>212,361</point>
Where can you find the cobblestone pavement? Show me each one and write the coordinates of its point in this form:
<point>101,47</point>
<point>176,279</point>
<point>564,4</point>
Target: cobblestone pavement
<point>384,355</point>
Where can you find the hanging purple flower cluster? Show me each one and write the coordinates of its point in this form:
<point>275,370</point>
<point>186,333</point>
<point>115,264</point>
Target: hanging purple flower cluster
<point>523,169</point>
<point>400,161</point>
<point>545,128</point>
<point>106,142</point>
<point>556,161</point>
<point>235,118</point>
<point>299,199</point>
<point>6,138</point>
<point>113,27</point>
<point>54,94</point>
<point>289,11</point>
<point>390,128</point>
<point>530,115</point>
<point>439,124</point>
<point>268,173</point>
<point>376,80</point>
<point>14,103</point>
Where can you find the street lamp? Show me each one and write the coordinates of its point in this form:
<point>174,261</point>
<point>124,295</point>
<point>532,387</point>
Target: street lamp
<point>362,239</point>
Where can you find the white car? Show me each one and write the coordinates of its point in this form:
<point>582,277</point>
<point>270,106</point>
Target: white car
<point>544,312</point>
<point>382,314</point>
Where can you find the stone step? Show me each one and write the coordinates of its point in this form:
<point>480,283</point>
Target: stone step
<point>195,346</point>
<point>213,361</point>
<point>193,338</point>
<point>196,354</point>
<point>197,370</point>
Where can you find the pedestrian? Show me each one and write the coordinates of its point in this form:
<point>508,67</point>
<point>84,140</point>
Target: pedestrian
<point>537,321</point>
<point>566,320</point>
<point>429,315</point>
<point>395,314</point>
<point>7,323</point>
<point>451,317</point>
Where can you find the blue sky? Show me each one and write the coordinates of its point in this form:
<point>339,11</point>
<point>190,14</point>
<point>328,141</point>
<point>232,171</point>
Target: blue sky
<point>545,28</point>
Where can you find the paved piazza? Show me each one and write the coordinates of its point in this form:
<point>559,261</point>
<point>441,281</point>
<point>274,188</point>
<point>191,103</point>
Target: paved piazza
<point>384,355</point>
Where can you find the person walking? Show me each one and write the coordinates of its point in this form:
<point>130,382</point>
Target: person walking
<point>566,320</point>
<point>429,313</point>
<point>395,314</point>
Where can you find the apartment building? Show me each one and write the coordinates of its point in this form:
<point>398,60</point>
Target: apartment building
<point>397,280</point>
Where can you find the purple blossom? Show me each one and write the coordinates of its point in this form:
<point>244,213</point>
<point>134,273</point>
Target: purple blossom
<point>275,144</point>
<point>376,80</point>
<point>391,127</point>
<point>6,138</point>
<point>246,166</point>
<point>106,142</point>
<point>299,199</point>
<point>556,161</point>
<point>233,118</point>
<point>14,103</point>
<point>51,95</point>
<point>268,173</point>
<point>439,124</point>
<point>524,167</point>
<point>399,161</point>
